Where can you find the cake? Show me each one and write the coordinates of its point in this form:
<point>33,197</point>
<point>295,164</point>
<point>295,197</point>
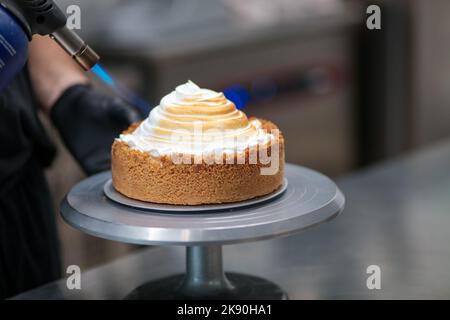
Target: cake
<point>197,148</point>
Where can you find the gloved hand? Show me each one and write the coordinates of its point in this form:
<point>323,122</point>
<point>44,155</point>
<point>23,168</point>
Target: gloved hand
<point>88,122</point>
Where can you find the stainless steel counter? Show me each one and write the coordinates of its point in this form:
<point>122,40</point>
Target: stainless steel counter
<point>397,217</point>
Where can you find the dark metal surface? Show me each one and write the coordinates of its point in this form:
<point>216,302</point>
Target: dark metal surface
<point>397,217</point>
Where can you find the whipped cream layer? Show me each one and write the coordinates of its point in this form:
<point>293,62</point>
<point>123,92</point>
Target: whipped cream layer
<point>192,120</point>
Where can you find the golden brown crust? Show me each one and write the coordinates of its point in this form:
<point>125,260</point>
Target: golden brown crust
<point>140,176</point>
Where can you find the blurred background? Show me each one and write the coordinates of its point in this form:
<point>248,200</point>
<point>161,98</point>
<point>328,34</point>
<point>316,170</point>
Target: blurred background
<point>344,96</point>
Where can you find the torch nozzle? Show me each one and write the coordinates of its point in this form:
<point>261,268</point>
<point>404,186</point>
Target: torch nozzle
<point>76,48</point>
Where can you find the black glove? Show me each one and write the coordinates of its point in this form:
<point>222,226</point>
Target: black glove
<point>88,122</point>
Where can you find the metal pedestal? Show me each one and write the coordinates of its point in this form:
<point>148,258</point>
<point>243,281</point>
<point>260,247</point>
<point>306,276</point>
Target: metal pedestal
<point>206,279</point>
<point>309,199</point>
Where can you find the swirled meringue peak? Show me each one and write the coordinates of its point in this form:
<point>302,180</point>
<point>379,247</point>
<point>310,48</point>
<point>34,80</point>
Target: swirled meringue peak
<point>192,120</point>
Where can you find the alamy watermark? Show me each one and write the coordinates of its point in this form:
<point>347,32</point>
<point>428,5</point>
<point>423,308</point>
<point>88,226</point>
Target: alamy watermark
<point>373,21</point>
<point>73,281</point>
<point>373,282</point>
<point>73,13</point>
<point>223,147</point>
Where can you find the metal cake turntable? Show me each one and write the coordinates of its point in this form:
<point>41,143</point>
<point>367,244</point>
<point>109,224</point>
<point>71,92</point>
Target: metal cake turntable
<point>307,198</point>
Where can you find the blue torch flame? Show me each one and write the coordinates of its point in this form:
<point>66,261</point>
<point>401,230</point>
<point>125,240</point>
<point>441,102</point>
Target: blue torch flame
<point>121,91</point>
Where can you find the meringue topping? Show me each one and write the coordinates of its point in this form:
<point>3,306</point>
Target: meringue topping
<point>193,120</point>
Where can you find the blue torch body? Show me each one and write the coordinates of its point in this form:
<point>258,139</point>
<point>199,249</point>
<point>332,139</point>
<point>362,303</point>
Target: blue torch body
<point>20,20</point>
<point>13,47</point>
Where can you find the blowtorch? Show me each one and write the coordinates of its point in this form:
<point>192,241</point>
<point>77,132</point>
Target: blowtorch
<point>20,20</point>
